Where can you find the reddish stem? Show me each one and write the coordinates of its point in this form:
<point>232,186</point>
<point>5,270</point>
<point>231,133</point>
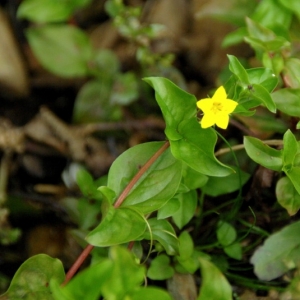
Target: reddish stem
<point>84,254</point>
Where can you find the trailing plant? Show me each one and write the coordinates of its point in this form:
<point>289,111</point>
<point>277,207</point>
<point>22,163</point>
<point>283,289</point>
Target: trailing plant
<point>154,199</point>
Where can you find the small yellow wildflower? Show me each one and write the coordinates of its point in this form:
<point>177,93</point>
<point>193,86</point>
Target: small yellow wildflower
<point>216,109</point>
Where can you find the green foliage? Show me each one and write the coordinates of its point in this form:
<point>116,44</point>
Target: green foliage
<point>158,190</point>
<point>32,279</point>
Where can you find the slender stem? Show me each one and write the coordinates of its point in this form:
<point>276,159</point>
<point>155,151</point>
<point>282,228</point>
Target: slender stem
<point>81,258</point>
<point>84,254</point>
<point>139,174</point>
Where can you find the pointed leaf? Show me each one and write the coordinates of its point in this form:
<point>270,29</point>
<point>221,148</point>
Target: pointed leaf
<point>31,281</point>
<point>196,149</point>
<point>158,184</point>
<point>263,154</point>
<point>237,69</point>
<point>175,104</point>
<point>119,226</point>
<point>287,196</point>
<point>288,101</point>
<point>214,284</point>
<point>160,268</point>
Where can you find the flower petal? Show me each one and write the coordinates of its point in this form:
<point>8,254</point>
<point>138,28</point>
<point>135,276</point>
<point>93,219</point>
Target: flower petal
<point>222,121</point>
<point>229,106</point>
<point>220,94</point>
<point>205,104</point>
<point>208,120</point>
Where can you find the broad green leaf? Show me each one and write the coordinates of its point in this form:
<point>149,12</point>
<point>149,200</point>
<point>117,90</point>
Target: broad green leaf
<point>214,284</point>
<point>188,204</point>
<point>186,245</point>
<point>62,49</point>
<point>226,233</point>
<point>263,154</point>
<point>290,148</point>
<point>163,232</point>
<point>217,186</point>
<point>279,253</point>
<point>86,284</point>
<point>237,69</point>
<point>261,93</point>
<point>287,196</point>
<point>119,226</point>
<point>193,179</point>
<point>126,275</point>
<point>196,149</point>
<point>175,104</point>
<point>158,184</point>
<point>168,209</point>
<point>264,77</point>
<point>234,251</point>
<point>294,175</point>
<point>150,293</point>
<point>31,281</point>
<point>43,11</point>
<point>234,37</point>
<point>288,101</point>
<point>160,268</point>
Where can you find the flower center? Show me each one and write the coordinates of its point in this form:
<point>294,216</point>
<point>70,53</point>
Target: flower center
<point>217,107</point>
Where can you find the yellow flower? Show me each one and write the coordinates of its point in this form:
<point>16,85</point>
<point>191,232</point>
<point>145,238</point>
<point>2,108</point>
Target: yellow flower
<point>216,109</point>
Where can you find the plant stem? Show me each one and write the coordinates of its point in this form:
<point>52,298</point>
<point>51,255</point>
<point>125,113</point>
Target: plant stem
<point>84,254</point>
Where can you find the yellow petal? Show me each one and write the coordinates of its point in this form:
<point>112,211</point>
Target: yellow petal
<point>205,104</point>
<point>220,94</point>
<point>208,120</point>
<point>222,121</point>
<point>229,105</point>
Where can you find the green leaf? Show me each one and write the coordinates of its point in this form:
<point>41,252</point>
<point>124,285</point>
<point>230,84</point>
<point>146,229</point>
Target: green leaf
<point>217,186</point>
<point>288,101</point>
<point>226,233</point>
<point>163,232</point>
<point>234,251</point>
<point>31,281</point>
<point>126,276</point>
<point>287,196</point>
<point>260,93</point>
<point>175,104</point>
<point>290,148</point>
<point>43,11</point>
<point>196,149</point>
<point>264,77</point>
<point>62,49</point>
<point>263,154</point>
<point>237,69</point>
<point>279,253</point>
<point>186,245</point>
<point>193,179</point>
<point>119,226</point>
<point>294,175</point>
<point>188,204</point>
<point>160,268</point>
<point>214,284</point>
<point>85,285</point>
<point>168,209</point>
<point>150,293</point>
<point>158,184</point>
